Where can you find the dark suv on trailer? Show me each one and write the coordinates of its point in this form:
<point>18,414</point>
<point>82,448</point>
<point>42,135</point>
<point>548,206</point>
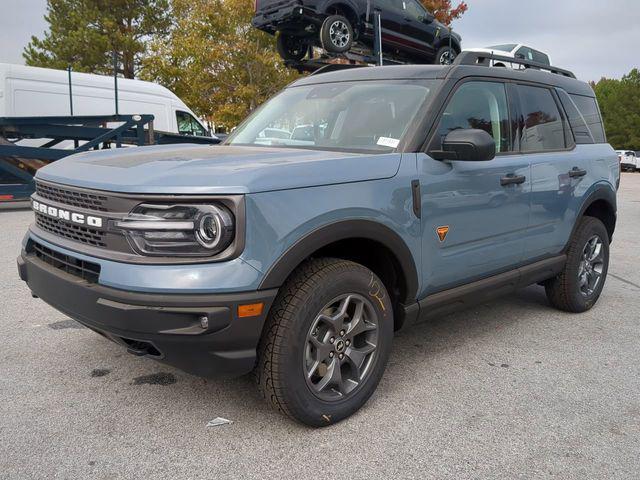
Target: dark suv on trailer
<point>410,191</point>
<point>409,32</point>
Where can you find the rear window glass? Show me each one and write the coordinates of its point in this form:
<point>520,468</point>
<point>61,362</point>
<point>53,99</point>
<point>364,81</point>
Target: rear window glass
<point>591,113</point>
<point>541,124</point>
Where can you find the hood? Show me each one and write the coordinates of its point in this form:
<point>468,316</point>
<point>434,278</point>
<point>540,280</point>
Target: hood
<point>198,169</point>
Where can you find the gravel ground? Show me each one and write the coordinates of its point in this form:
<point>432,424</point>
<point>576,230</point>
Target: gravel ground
<point>511,389</point>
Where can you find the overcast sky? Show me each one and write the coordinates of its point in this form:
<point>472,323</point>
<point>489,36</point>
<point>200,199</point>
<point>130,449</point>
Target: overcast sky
<point>594,38</point>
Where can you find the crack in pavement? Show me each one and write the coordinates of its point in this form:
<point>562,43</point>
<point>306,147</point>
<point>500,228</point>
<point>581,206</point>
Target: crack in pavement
<point>625,281</point>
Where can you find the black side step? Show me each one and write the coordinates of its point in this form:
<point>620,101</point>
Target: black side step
<point>454,299</point>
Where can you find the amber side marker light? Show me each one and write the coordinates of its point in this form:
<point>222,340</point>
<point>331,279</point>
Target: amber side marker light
<point>250,310</point>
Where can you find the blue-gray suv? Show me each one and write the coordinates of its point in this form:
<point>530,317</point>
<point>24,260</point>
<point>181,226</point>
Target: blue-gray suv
<point>352,204</point>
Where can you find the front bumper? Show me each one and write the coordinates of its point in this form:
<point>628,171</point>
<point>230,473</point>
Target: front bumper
<point>166,327</point>
<point>290,18</point>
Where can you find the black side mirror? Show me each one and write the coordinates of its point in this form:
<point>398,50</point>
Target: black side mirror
<point>428,18</point>
<point>468,145</point>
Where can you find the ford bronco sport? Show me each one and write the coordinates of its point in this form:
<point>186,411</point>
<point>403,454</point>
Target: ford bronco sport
<point>419,189</point>
<point>408,30</point>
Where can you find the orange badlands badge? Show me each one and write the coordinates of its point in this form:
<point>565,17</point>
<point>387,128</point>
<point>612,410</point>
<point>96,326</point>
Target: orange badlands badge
<point>442,232</point>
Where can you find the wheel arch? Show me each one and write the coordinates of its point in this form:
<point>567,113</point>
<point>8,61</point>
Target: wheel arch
<point>344,8</point>
<point>601,204</point>
<point>444,42</point>
<point>367,242</point>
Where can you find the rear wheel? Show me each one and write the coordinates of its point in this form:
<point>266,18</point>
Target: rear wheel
<point>336,34</point>
<point>326,342</point>
<point>291,47</point>
<point>579,285</point>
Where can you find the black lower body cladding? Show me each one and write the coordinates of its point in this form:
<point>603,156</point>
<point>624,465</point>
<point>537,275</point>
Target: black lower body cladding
<point>200,334</point>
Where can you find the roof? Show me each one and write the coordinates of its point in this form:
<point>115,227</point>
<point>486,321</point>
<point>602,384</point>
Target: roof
<point>51,75</point>
<point>408,72</point>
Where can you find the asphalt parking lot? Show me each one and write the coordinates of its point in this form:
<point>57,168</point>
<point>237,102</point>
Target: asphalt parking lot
<point>511,389</point>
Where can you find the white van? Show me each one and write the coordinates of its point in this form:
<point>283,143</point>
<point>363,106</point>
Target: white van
<point>41,92</point>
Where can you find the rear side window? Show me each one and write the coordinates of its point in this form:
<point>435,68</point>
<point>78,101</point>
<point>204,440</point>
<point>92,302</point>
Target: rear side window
<point>591,113</point>
<point>480,105</point>
<point>581,133</point>
<point>541,126</point>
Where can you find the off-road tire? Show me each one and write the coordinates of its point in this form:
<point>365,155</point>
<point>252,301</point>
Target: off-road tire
<point>563,291</point>
<point>442,52</point>
<point>280,373</point>
<point>290,47</point>
<point>334,39</point>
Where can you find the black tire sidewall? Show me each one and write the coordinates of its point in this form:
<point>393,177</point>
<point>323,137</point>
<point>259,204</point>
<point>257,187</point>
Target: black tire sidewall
<point>325,38</point>
<point>441,51</point>
<point>588,229</point>
<point>304,405</point>
<point>283,50</point>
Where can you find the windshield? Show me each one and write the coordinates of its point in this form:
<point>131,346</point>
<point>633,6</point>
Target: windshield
<point>366,116</point>
<point>503,48</point>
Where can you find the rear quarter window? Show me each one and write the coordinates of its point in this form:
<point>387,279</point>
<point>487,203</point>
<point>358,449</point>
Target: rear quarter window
<point>588,107</point>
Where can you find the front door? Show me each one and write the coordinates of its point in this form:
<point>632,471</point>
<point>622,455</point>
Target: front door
<point>474,213</point>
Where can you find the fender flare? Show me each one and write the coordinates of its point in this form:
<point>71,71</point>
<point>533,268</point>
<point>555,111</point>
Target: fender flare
<point>444,42</point>
<point>343,230</point>
<point>601,192</point>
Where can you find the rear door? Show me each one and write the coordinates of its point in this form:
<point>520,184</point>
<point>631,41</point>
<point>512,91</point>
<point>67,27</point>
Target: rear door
<point>392,22</point>
<point>415,27</point>
<point>557,170</point>
<point>474,214</point>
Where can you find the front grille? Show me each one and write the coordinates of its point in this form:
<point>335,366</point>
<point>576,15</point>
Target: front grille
<point>86,235</point>
<point>88,271</point>
<point>90,201</point>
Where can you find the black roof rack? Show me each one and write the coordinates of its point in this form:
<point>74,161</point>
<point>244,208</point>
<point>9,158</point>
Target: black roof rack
<point>483,59</point>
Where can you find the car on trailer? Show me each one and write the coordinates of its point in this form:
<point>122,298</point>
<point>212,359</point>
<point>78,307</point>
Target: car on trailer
<point>408,192</point>
<point>409,32</point>
<point>518,51</point>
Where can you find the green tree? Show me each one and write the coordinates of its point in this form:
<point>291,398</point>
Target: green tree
<point>619,102</point>
<point>85,33</point>
<point>215,61</point>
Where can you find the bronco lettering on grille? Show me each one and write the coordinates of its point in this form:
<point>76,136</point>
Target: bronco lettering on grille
<point>74,217</point>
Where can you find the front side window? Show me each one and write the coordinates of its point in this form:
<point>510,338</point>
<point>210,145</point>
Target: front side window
<point>414,10</point>
<point>370,116</point>
<point>188,125</point>
<point>479,105</point>
<point>541,126</point>
<point>524,52</point>
<point>541,57</point>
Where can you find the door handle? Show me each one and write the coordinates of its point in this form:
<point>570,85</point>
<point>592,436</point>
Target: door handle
<point>512,179</point>
<point>576,172</point>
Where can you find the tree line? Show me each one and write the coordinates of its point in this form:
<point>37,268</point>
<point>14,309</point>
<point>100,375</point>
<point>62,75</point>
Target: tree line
<point>619,102</point>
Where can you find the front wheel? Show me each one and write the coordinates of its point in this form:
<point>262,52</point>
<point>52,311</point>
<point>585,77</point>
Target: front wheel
<point>326,342</point>
<point>579,285</point>
<point>445,55</point>
<point>336,34</point>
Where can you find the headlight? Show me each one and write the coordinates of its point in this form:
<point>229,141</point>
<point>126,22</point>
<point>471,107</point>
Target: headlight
<point>179,230</point>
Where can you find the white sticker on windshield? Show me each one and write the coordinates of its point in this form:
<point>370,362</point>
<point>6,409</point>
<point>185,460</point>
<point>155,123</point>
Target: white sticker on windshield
<point>388,142</point>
